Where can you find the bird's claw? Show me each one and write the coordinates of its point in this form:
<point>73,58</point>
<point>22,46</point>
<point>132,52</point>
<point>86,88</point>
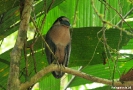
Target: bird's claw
<point>55,61</point>
<point>63,66</point>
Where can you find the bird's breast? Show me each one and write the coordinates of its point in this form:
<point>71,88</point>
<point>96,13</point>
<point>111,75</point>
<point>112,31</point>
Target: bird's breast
<point>60,35</point>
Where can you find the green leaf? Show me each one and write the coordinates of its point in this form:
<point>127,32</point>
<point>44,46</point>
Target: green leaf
<point>49,83</point>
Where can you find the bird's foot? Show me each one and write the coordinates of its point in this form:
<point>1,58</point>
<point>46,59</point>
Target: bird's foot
<point>55,61</point>
<point>63,66</point>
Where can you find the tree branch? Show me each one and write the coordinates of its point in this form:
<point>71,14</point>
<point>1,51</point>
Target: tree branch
<point>54,67</point>
<point>13,80</point>
<point>129,12</point>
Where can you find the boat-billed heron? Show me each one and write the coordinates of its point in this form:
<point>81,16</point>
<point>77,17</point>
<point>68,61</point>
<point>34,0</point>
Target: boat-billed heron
<point>59,40</point>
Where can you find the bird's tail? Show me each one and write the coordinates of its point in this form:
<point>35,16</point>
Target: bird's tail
<point>58,74</point>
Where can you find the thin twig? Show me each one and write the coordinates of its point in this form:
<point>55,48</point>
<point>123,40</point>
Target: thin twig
<point>108,23</point>
<point>115,62</point>
<point>34,61</point>
<point>43,38</point>
<point>42,24</point>
<point>26,60</point>
<point>75,13</point>
<point>37,29</point>
<point>106,46</point>
<point>117,13</point>
<point>129,12</point>
<point>44,18</point>
<point>75,17</point>
<point>93,53</point>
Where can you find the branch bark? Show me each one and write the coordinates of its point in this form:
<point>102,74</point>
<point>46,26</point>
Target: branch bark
<point>54,67</point>
<point>13,79</point>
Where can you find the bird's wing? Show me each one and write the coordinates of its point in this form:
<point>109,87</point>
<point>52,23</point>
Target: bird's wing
<point>50,57</point>
<point>67,54</point>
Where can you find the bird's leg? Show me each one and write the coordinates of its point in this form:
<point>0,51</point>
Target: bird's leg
<point>63,65</point>
<point>60,66</point>
<point>56,62</point>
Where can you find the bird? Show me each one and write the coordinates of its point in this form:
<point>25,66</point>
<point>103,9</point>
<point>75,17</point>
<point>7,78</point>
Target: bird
<point>59,40</point>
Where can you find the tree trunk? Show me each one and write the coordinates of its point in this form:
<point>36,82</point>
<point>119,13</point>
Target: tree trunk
<point>13,79</point>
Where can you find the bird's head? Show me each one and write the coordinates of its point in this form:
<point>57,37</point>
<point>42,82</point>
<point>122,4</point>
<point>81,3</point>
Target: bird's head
<point>62,21</point>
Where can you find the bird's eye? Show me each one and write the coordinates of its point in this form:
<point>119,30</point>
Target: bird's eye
<point>60,19</point>
<point>65,22</point>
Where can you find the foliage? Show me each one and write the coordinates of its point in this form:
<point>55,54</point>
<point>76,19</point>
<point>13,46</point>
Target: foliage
<point>92,46</point>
